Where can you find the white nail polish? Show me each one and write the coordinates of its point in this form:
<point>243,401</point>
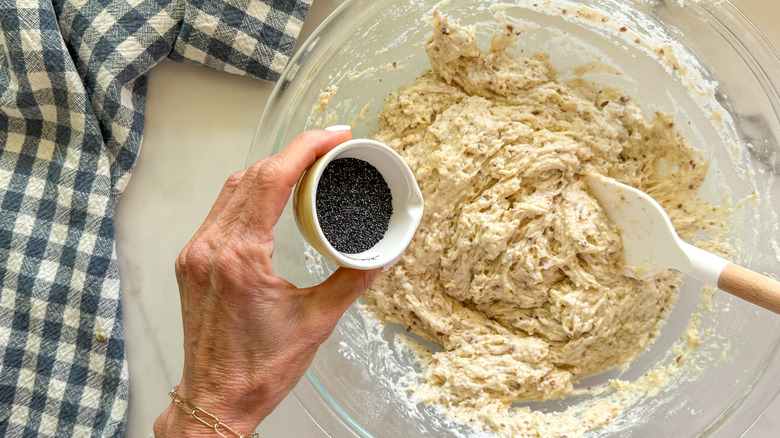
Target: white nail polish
<point>335,128</point>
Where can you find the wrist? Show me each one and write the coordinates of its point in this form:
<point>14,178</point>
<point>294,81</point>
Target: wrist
<point>208,417</point>
<point>175,423</point>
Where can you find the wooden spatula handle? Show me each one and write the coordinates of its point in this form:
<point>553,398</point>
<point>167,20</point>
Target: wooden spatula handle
<point>750,286</point>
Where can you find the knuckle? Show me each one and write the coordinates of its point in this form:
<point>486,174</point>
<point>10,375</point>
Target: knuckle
<point>193,259</point>
<point>270,171</point>
<point>254,169</point>
<point>180,263</point>
<point>235,178</point>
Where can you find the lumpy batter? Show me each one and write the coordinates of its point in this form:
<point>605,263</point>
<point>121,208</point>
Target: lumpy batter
<point>516,270</point>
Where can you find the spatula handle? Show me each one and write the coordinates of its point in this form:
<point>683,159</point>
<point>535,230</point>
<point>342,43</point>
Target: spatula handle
<point>750,286</point>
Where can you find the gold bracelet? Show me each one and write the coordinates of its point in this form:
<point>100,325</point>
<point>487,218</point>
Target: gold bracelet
<point>209,420</point>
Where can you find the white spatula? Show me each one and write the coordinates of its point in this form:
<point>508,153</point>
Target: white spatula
<point>651,245</point>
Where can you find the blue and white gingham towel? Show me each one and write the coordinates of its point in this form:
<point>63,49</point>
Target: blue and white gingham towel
<point>72,101</point>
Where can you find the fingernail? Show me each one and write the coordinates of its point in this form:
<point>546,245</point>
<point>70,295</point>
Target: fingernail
<point>335,128</point>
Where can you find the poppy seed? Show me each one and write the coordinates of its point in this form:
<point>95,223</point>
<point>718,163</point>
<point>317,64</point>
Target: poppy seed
<point>354,205</point>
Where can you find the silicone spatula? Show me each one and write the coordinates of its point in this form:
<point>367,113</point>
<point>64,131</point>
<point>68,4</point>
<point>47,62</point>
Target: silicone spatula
<point>651,245</point>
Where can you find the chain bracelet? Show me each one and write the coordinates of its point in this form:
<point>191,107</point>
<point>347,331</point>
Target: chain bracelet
<point>207,419</point>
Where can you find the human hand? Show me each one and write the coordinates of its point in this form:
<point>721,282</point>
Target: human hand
<point>249,336</point>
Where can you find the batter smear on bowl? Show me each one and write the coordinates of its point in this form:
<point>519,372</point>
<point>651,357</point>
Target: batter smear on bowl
<point>515,271</point>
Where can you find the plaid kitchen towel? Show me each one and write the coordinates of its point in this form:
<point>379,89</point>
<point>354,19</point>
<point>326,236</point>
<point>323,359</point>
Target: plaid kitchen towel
<point>72,101</point>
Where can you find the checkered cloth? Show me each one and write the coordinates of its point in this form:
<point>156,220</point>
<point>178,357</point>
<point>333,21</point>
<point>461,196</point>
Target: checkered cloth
<point>72,101</point>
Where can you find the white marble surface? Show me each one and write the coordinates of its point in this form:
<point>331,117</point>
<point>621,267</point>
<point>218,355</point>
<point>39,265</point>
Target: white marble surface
<point>200,124</point>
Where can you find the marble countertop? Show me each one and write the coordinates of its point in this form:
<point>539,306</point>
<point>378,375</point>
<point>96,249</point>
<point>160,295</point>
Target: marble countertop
<point>200,124</point>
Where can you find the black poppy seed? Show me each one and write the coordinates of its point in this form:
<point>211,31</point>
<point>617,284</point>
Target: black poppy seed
<point>354,205</point>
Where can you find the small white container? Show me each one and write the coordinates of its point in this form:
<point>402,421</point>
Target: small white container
<point>407,205</point>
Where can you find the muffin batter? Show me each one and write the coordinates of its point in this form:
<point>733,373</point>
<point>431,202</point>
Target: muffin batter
<point>516,271</point>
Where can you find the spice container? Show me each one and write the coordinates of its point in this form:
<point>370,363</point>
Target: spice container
<point>358,205</point>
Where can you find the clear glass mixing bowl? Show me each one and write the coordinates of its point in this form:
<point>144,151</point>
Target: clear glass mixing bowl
<point>699,60</point>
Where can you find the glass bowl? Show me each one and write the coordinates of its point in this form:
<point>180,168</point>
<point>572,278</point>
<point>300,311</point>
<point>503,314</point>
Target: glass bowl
<point>701,61</point>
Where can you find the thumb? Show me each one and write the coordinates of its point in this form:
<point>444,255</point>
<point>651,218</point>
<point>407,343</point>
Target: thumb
<point>342,288</point>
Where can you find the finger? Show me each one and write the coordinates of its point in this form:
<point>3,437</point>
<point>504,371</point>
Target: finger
<point>341,289</point>
<point>228,209</point>
<point>279,173</point>
<point>227,192</point>
<point>304,150</point>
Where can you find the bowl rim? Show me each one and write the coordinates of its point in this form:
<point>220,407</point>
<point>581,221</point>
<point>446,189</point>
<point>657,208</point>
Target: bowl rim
<point>759,55</point>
